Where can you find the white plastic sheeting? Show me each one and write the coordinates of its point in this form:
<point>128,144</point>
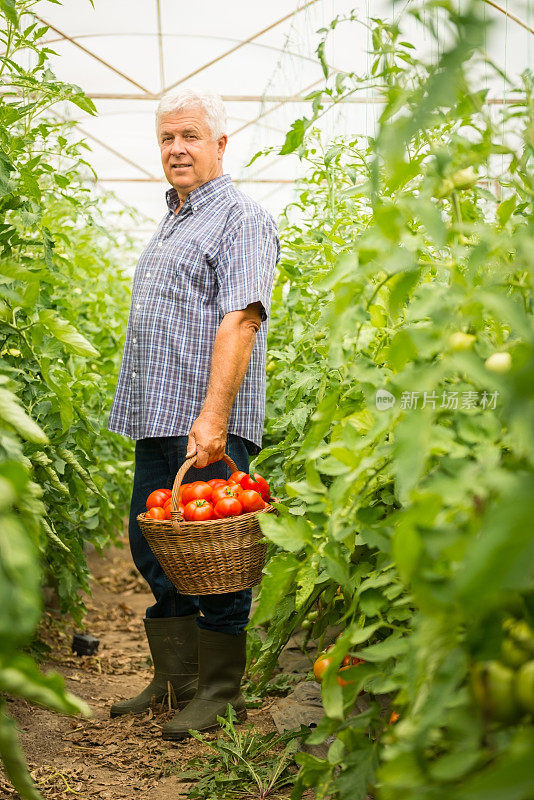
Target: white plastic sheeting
<point>258,56</point>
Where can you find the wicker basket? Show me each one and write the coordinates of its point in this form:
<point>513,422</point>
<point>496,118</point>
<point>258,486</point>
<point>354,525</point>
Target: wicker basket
<point>211,557</point>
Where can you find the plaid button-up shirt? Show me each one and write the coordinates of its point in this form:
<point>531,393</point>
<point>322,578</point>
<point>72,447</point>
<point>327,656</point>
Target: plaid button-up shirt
<point>216,255</point>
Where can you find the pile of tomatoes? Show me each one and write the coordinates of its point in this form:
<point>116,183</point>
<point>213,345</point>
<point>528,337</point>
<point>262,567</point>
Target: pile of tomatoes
<point>214,499</point>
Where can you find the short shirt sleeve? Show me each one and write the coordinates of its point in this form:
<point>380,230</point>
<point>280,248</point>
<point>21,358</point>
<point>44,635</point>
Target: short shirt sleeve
<point>245,265</point>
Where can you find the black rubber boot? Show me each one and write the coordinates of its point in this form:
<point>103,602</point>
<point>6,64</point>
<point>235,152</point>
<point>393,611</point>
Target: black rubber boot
<point>221,662</point>
<point>173,643</point>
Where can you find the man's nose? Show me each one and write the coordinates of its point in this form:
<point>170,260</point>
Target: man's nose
<point>178,146</point>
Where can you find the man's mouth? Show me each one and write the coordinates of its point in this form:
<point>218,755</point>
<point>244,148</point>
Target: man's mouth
<point>181,166</point>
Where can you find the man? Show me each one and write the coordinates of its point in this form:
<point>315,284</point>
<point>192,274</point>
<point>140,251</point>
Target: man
<point>192,380</point>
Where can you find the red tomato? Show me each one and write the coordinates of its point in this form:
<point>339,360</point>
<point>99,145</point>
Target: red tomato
<point>168,492</point>
<point>259,485</point>
<point>156,498</point>
<point>351,661</point>
<point>236,477</point>
<point>167,510</point>
<point>264,486</point>
<point>228,490</point>
<point>248,483</point>
<point>156,512</point>
<point>320,665</point>
<point>251,500</point>
<point>216,482</point>
<point>228,507</point>
<point>198,510</point>
<point>197,491</point>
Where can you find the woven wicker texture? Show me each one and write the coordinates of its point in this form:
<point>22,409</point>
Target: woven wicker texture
<point>212,557</point>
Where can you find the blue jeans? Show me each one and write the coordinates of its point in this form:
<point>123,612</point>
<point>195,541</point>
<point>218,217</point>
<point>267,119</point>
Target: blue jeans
<point>157,461</point>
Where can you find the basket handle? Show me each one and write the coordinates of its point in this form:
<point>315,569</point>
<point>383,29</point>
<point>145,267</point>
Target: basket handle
<point>175,514</point>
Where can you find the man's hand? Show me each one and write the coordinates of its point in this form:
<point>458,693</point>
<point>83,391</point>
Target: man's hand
<point>207,438</point>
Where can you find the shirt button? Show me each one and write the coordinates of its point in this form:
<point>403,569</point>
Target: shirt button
<point>134,374</point>
<point>160,244</point>
<point>148,275</point>
<point>134,340</point>
<point>138,306</point>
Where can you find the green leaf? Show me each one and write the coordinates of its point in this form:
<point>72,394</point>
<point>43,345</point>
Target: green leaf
<point>83,102</point>
<point>67,334</point>
<point>287,531</point>
<point>401,350</point>
<point>280,574</point>
<point>20,581</point>
<point>502,553</point>
<point>406,548</point>
<point>13,758</point>
<point>12,413</point>
<point>9,8</point>
<point>295,136</point>
<point>411,449</point>
<point>21,677</point>
<point>358,772</point>
<point>510,777</point>
<point>337,561</point>
<point>321,56</point>
<point>392,647</point>
<point>306,580</point>
<point>506,209</point>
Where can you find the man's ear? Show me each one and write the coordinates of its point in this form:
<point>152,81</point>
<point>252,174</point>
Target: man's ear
<point>221,145</point>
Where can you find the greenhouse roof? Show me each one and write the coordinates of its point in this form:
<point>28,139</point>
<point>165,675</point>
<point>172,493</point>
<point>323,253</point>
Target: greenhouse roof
<point>259,57</point>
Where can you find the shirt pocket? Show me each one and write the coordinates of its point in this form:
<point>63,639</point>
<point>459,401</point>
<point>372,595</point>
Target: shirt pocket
<point>193,274</point>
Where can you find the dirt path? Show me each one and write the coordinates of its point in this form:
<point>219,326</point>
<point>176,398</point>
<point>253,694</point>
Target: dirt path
<point>100,758</point>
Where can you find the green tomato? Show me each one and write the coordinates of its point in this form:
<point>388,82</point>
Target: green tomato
<point>493,687</point>
<point>524,687</point>
<point>464,178</point>
<point>523,635</point>
<point>499,362</point>
<point>461,341</point>
<point>513,654</point>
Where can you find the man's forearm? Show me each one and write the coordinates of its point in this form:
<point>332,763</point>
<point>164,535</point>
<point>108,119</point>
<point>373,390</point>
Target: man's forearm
<point>229,363</point>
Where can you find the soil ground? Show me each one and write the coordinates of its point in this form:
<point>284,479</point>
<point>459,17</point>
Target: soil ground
<point>101,758</point>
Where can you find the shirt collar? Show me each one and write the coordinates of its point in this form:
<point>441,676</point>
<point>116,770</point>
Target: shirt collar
<point>203,194</point>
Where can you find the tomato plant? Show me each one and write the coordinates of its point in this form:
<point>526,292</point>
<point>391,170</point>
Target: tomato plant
<point>403,314</point>
<point>63,310</point>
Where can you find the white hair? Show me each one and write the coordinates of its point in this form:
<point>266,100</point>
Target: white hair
<point>210,103</point>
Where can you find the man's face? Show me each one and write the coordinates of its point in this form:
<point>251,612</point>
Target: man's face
<point>189,155</point>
